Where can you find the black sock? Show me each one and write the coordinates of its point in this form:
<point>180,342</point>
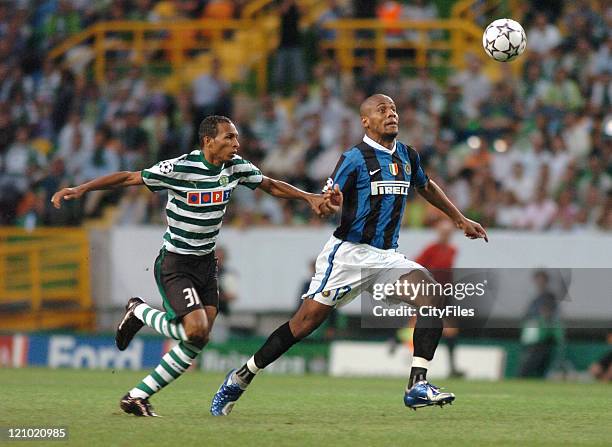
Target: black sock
<point>276,345</point>
<point>451,342</point>
<point>427,333</point>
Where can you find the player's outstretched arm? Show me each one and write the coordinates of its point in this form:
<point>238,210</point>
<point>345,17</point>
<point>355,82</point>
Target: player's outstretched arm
<point>115,180</point>
<point>434,195</point>
<point>284,190</point>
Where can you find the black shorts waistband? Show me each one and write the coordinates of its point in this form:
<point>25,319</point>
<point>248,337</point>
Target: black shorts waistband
<point>205,257</point>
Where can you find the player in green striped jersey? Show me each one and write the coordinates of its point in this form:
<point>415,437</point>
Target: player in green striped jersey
<point>199,186</point>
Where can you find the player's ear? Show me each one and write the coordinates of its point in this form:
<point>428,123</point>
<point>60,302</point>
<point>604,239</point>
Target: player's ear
<point>365,122</point>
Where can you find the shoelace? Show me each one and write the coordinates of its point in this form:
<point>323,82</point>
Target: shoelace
<point>435,388</point>
<point>144,406</point>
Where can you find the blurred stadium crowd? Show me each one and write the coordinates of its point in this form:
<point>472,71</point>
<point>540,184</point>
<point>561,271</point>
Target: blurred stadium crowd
<point>528,151</point>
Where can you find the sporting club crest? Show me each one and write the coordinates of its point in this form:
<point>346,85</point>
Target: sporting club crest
<point>223,180</point>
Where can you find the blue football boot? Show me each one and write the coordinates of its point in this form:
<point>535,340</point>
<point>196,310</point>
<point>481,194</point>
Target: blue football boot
<point>424,394</point>
<point>225,398</point>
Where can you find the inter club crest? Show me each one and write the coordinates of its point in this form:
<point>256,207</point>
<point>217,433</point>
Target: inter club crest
<point>407,169</point>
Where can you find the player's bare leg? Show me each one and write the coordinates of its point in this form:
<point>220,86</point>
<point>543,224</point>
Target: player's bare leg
<point>197,325</point>
<point>308,317</point>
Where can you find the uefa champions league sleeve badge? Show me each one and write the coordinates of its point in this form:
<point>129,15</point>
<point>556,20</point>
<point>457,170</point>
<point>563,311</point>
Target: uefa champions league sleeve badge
<point>166,167</point>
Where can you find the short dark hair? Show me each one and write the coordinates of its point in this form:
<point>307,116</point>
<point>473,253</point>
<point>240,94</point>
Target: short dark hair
<point>208,126</point>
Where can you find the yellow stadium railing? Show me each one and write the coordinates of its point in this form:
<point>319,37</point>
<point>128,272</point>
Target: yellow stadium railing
<point>250,41</point>
<point>44,279</point>
<point>139,40</point>
<point>454,37</point>
<point>254,35</point>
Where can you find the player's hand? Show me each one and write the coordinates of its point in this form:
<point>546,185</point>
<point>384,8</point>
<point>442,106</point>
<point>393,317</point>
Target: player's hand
<point>472,229</point>
<point>334,196</point>
<point>316,202</point>
<point>333,201</point>
<point>66,194</point>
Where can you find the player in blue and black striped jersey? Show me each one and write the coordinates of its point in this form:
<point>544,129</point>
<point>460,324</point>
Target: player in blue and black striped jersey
<point>375,182</point>
<point>371,182</point>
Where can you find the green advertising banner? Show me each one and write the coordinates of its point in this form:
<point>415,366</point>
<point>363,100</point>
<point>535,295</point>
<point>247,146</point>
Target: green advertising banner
<point>305,357</point>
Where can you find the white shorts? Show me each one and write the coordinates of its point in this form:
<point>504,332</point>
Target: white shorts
<point>344,269</point>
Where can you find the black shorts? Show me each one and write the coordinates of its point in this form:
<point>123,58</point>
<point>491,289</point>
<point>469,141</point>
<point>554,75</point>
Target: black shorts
<point>186,282</point>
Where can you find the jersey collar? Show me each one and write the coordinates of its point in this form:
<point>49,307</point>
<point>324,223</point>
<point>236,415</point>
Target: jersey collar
<point>208,165</point>
<point>370,142</point>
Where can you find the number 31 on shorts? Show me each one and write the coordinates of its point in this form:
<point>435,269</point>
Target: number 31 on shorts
<point>191,295</point>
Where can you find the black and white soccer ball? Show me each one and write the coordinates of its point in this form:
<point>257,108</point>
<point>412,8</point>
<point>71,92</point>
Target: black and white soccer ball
<point>165,167</point>
<point>504,40</point>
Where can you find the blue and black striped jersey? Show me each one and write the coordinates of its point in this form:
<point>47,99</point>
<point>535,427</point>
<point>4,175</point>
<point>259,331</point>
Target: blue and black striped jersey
<point>375,183</point>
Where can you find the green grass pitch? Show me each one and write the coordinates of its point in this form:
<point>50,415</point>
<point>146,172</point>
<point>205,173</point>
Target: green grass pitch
<point>310,411</point>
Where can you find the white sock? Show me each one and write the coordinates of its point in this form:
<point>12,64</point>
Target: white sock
<point>242,381</point>
<point>420,362</point>
<point>417,362</point>
<point>252,366</point>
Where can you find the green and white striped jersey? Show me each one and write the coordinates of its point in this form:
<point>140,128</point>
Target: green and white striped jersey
<point>198,193</point>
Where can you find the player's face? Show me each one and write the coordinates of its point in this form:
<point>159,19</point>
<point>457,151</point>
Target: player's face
<point>382,119</point>
<point>225,145</point>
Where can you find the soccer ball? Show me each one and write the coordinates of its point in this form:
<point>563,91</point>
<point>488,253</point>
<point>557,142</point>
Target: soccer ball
<point>504,40</point>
